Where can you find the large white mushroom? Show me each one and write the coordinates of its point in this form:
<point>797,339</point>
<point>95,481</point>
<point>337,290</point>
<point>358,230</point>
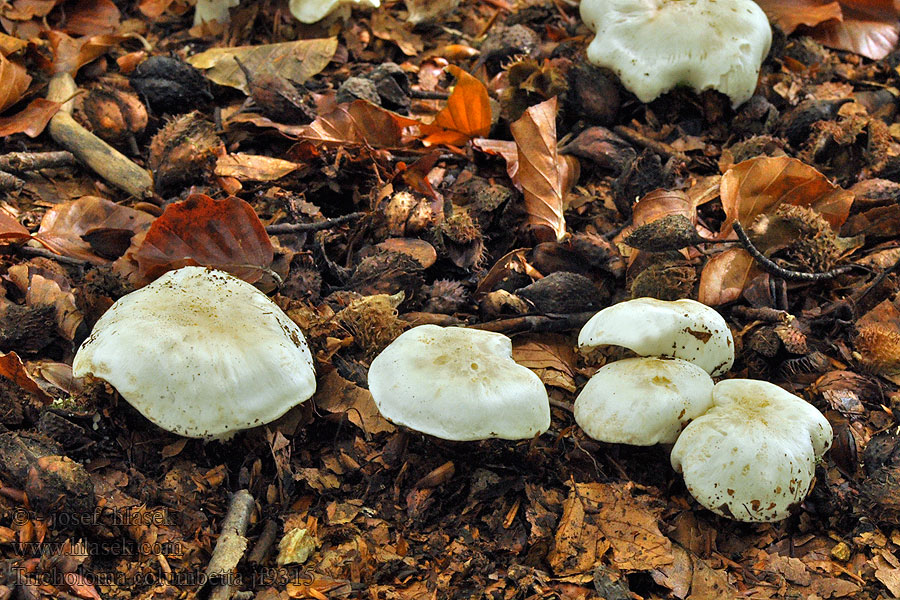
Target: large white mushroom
<point>752,456</point>
<point>200,353</point>
<point>655,45</point>
<point>458,384</point>
<point>643,401</point>
<point>684,329</point>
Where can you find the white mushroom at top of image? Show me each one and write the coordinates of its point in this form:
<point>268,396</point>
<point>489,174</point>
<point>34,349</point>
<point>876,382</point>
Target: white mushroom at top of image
<point>312,11</point>
<point>655,45</point>
<point>200,353</point>
<point>753,455</point>
<point>458,384</point>
<point>683,329</point>
<point>213,10</point>
<point>643,401</point>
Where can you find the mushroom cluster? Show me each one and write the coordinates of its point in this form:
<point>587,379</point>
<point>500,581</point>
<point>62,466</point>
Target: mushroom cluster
<point>201,354</point>
<point>655,45</point>
<point>747,448</point>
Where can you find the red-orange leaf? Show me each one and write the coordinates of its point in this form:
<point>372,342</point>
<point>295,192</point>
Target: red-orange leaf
<point>223,234</point>
<point>544,176</point>
<point>467,114</point>
<point>31,120</point>
<point>11,368</point>
<point>14,81</point>
<point>10,228</point>
<point>759,185</point>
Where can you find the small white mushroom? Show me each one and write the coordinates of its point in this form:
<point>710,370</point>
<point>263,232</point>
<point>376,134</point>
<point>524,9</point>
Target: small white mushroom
<point>213,10</point>
<point>655,45</point>
<point>458,384</point>
<point>312,11</point>
<point>200,353</point>
<point>683,329</point>
<point>643,401</point>
<point>753,455</point>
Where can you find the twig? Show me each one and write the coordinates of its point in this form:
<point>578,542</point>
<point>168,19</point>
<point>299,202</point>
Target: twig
<point>264,543</point>
<point>537,323</point>
<point>10,183</point>
<point>428,95</point>
<point>23,162</point>
<point>44,253</point>
<point>231,545</point>
<point>317,226</point>
<point>787,274</point>
<point>656,146</point>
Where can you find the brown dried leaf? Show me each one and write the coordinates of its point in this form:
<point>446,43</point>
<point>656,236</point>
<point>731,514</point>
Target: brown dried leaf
<point>31,120</point>
<point>360,123</point>
<point>759,185</point>
<point>551,356</point>
<point>10,228</point>
<point>725,276</point>
<point>12,368</point>
<point>64,227</point>
<point>14,81</point>
<point>249,167</point>
<point>386,27</point>
<point>542,174</point>
<point>871,37</point>
<point>504,148</point>
<point>45,288</point>
<point>297,61</point>
<point>222,234</point>
<point>70,54</point>
<point>337,395</point>
<point>790,14</point>
<point>91,17</point>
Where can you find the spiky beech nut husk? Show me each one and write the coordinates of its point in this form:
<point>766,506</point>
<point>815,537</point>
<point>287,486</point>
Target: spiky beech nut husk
<point>665,280</point>
<point>594,93</point>
<point>756,116</point>
<point>603,147</point>
<point>671,232</point>
<point>793,339</point>
<point>816,246</point>
<point>530,83</point>
<point>758,145</point>
<point>277,98</point>
<point>878,347</point>
<point>373,321</point>
<point>563,292</point>
<point>170,85</point>
<point>445,296</point>
<point>425,215</point>
<point>502,43</point>
<point>386,272</point>
<point>182,152</point>
<point>357,88</point>
<point>115,114</point>
<point>461,238</point>
<point>396,212</point>
<point>796,124</point>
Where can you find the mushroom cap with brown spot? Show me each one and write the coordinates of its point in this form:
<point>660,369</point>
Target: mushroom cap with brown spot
<point>752,456</point>
<point>458,384</point>
<point>200,353</point>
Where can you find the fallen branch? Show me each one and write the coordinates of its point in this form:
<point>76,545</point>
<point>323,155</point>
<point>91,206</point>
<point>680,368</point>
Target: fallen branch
<point>537,323</point>
<point>317,226</point>
<point>775,269</point>
<point>656,146</point>
<point>103,159</point>
<point>10,183</point>
<point>230,546</point>
<point>23,162</point>
<point>44,253</point>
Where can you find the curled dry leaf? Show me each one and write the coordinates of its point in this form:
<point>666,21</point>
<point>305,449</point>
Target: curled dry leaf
<point>250,167</point>
<point>10,228</point>
<point>12,368</point>
<point>222,234</point>
<point>297,61</point>
<point>91,17</point>
<point>467,114</point>
<point>759,185</point>
<point>725,276</point>
<point>551,356</point>
<point>14,81</point>
<point>866,27</point>
<point>31,120</point>
<point>360,123</point>
<point>68,229</point>
<point>543,174</point>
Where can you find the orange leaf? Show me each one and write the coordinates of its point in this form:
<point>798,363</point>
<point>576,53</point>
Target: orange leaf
<point>66,228</point>
<point>12,368</point>
<point>872,38</point>
<point>70,54</point>
<point>759,185</point>
<point>223,234</point>
<point>14,81</point>
<point>725,276</point>
<point>467,114</point>
<point>31,120</point>
<point>10,228</point>
<point>359,123</point>
<point>542,174</point>
<point>790,14</point>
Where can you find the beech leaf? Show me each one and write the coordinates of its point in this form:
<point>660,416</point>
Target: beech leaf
<point>725,276</point>
<point>359,123</point>
<point>31,120</point>
<point>543,175</point>
<point>467,114</point>
<point>222,234</point>
<point>14,81</point>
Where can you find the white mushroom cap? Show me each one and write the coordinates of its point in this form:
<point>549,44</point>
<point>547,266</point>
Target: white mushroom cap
<point>752,456</point>
<point>684,329</point>
<point>312,11</point>
<point>458,384</point>
<point>654,45</point>
<point>200,353</point>
<point>643,401</point>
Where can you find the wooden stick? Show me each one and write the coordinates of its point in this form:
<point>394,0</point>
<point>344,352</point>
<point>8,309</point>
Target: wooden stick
<point>231,545</point>
<point>23,162</point>
<point>103,159</point>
